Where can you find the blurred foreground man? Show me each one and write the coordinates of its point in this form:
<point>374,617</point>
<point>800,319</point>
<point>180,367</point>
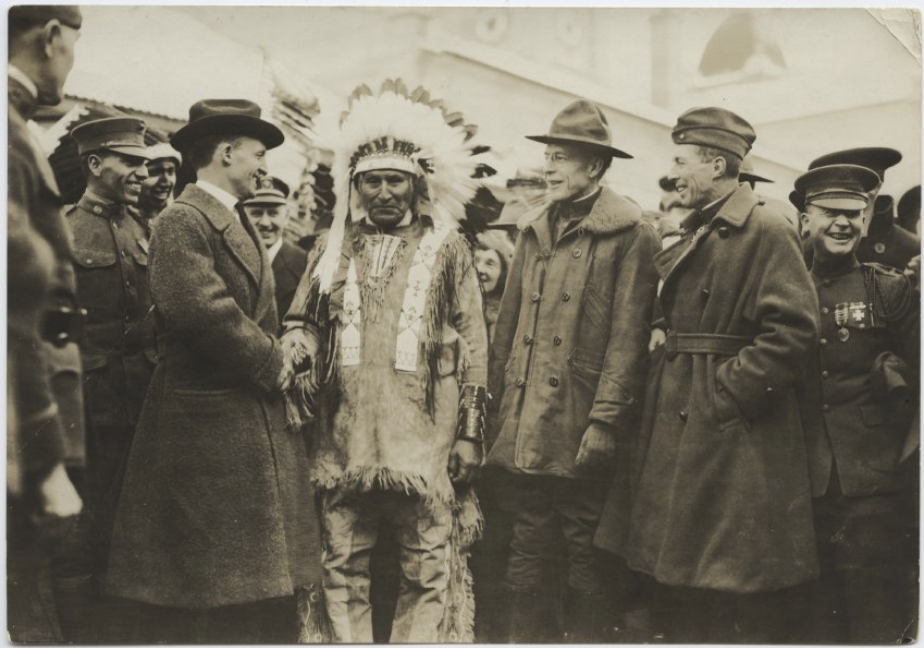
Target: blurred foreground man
<point>157,188</point>
<point>118,346</point>
<point>44,406</point>
<point>567,369</point>
<point>721,512</point>
<point>268,212</point>
<point>864,387</point>
<point>387,330</point>
<point>215,529</point>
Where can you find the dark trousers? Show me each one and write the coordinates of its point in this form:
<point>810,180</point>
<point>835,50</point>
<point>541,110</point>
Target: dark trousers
<point>537,507</point>
<point>867,593</point>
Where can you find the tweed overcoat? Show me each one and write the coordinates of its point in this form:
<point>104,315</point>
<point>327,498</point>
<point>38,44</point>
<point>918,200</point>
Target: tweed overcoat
<point>215,509</point>
<point>570,342</point>
<point>721,496</point>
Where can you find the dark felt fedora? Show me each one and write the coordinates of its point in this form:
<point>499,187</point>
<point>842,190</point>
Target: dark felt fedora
<point>581,122</point>
<point>226,117</point>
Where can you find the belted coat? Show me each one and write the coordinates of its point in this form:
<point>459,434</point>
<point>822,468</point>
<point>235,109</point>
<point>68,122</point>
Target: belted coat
<point>215,509</point>
<point>720,488</point>
<point>570,342</point>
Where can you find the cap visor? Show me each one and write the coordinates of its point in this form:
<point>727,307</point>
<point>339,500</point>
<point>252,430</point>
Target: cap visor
<point>134,151</point>
<point>846,204</point>
<point>750,177</point>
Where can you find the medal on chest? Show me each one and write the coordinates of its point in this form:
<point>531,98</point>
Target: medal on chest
<point>840,318</point>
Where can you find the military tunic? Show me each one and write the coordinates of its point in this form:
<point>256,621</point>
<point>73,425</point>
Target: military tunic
<point>865,514</point>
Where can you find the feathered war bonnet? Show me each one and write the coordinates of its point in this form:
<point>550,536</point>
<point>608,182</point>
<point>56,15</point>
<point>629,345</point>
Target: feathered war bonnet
<point>406,131</point>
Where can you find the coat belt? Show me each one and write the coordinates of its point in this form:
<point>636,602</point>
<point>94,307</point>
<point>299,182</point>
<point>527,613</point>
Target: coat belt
<point>705,343</point>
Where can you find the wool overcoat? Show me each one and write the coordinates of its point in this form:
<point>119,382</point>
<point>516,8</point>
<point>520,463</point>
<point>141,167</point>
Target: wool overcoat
<point>721,497</point>
<point>570,342</point>
<point>288,268</point>
<point>215,509</point>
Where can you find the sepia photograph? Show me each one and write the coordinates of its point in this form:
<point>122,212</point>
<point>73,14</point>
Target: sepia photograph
<point>433,324</point>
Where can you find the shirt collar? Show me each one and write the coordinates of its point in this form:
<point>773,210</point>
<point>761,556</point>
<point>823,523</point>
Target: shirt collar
<point>22,78</point>
<point>221,195</point>
<point>273,250</point>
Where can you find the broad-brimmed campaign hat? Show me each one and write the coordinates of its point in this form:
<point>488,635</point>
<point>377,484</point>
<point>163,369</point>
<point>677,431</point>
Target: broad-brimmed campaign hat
<point>716,128</point>
<point>118,134</point>
<point>837,186</point>
<point>226,117</point>
<point>581,122</point>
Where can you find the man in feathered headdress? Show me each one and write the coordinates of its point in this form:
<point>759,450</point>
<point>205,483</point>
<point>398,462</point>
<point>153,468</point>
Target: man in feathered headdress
<point>386,328</point>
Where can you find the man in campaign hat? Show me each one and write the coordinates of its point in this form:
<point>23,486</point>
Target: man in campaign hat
<point>862,394</point>
<point>44,404</point>
<point>566,371</point>
<point>157,189</point>
<point>268,212</point>
<point>118,346</point>
<point>883,241</point>
<point>214,525</point>
<point>721,515</point>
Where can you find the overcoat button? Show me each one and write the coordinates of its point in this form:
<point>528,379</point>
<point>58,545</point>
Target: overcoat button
<point>683,416</point>
<point>553,381</point>
<point>565,296</point>
<point>823,341</point>
<point>556,341</point>
<point>580,231</point>
<point>723,232</point>
<point>706,292</point>
<point>520,382</point>
<point>577,253</point>
<point>824,310</point>
<point>527,339</point>
<point>826,407</point>
<point>534,297</point>
<point>825,373</point>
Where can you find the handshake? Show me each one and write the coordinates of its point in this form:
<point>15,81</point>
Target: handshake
<point>299,350</point>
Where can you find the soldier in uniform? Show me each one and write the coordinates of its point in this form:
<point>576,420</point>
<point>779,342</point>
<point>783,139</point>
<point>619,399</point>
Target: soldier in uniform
<point>118,345</point>
<point>863,384</point>
<point>269,213</point>
<point>883,240</point>
<point>45,412</point>
<point>157,188</point>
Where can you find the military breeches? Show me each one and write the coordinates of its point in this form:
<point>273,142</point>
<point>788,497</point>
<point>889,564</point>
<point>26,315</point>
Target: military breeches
<point>350,523</point>
<point>536,505</point>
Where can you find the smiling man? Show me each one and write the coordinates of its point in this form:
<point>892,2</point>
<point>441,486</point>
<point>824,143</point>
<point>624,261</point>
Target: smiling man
<point>215,521</point>
<point>157,188</point>
<point>118,345</point>
<point>721,512</point>
<point>864,379</point>
<point>567,370</point>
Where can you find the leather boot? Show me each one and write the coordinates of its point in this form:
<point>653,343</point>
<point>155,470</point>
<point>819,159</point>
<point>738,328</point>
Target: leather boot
<point>75,600</point>
<point>522,620</point>
<point>590,618</point>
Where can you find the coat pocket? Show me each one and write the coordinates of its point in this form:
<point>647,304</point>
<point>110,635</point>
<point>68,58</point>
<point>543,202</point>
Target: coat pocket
<point>727,413</point>
<point>99,282</point>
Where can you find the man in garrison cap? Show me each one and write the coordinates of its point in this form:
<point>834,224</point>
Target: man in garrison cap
<point>883,241</point>
<point>862,397</point>
<point>118,347</point>
<point>214,527</point>
<point>567,371</point>
<point>268,212</point>
<point>44,406</point>
<point>157,189</point>
<point>721,516</point>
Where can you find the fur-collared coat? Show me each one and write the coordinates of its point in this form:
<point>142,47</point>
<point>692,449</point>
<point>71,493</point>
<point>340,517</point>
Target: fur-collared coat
<point>216,508</point>
<point>571,341</point>
<point>721,496</point>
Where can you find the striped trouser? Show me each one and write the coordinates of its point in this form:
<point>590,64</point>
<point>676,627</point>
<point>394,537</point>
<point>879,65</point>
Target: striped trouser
<point>350,523</point>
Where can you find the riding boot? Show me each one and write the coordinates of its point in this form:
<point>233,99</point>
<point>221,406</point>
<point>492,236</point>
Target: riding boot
<point>523,619</point>
<point>590,618</point>
<point>75,600</point>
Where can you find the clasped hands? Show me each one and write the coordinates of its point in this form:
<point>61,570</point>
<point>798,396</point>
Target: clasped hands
<point>298,348</point>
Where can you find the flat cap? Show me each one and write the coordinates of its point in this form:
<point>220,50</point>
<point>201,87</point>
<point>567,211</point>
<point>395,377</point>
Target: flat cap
<point>715,127</point>
<point>837,186</point>
<point>119,134</point>
<point>66,14</point>
<point>877,158</point>
<point>581,122</point>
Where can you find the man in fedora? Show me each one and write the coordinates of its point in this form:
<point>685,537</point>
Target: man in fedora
<point>567,369</point>
<point>268,212</point>
<point>721,517</point>
<point>215,522</point>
